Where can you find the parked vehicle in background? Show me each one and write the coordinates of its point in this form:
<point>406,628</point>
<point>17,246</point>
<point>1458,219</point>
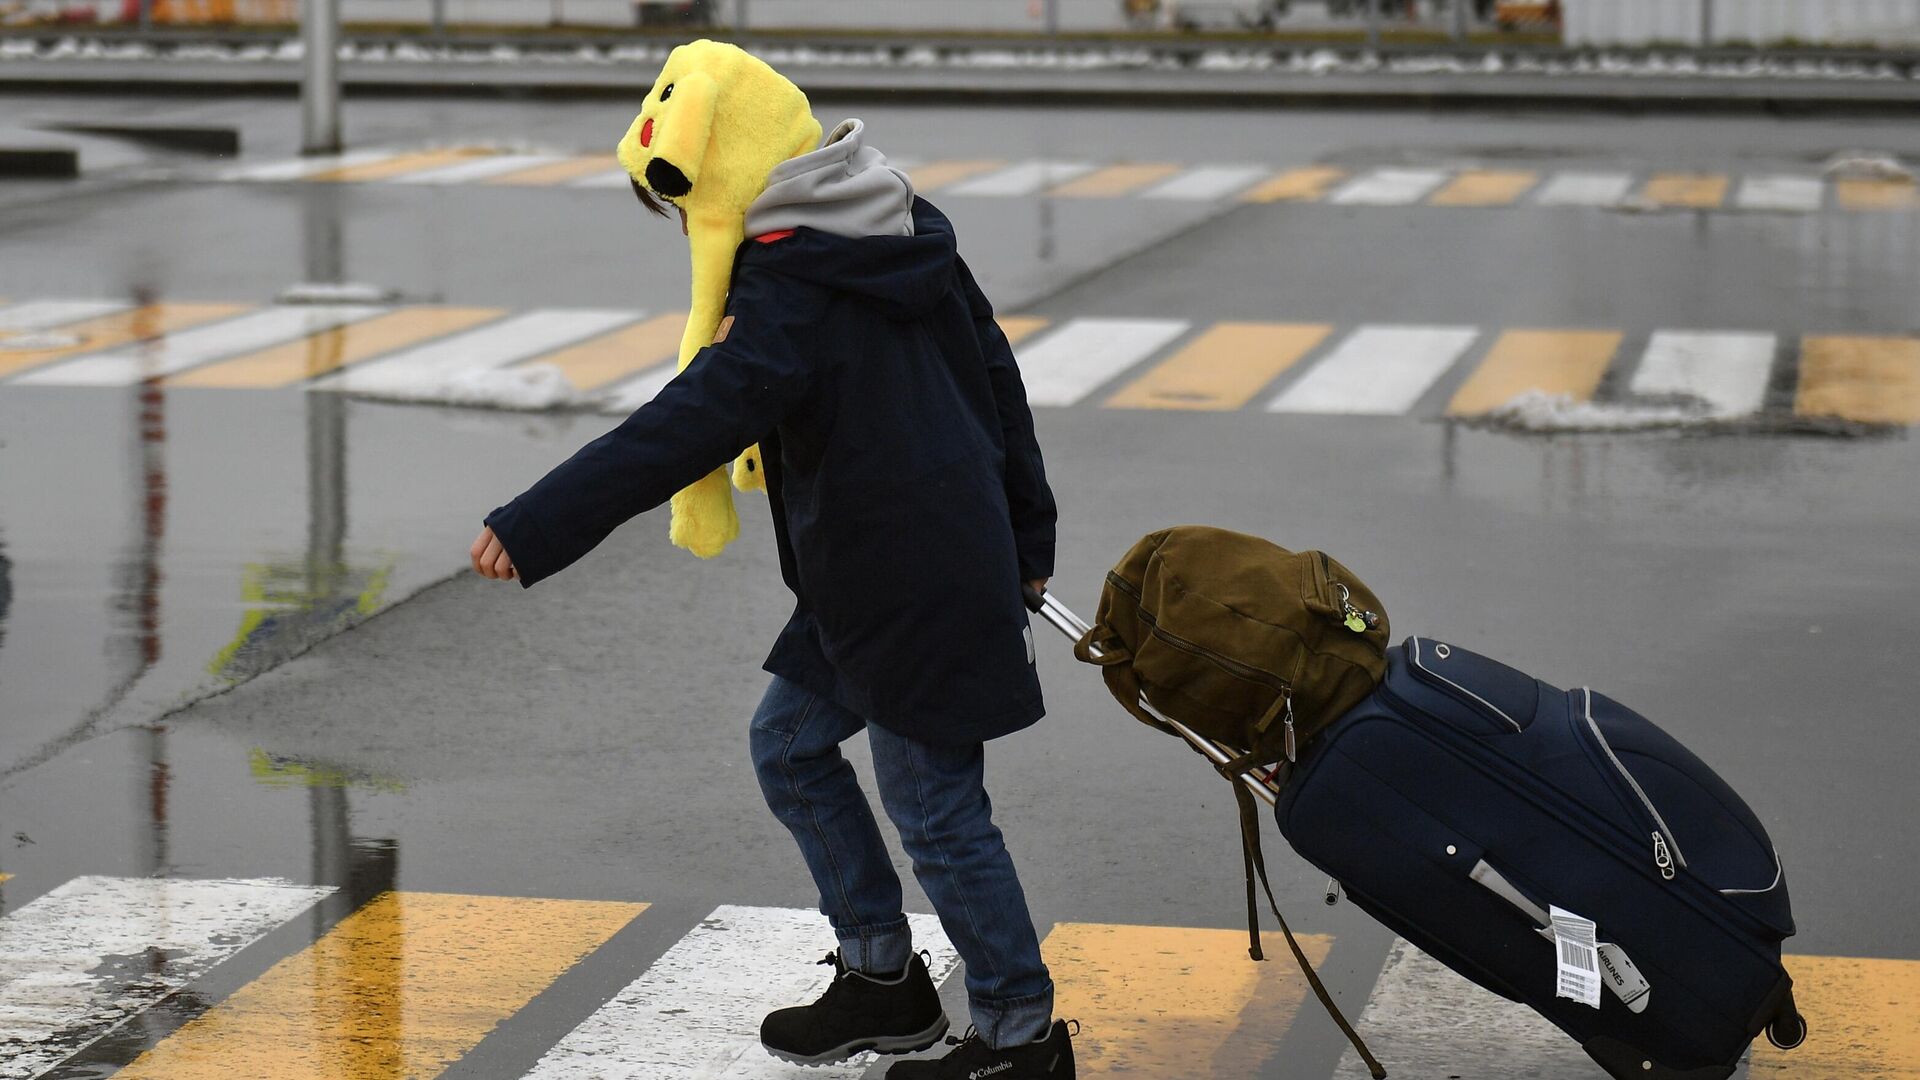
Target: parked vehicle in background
<point>673,13</point>
<point>1527,14</point>
<point>1254,15</point>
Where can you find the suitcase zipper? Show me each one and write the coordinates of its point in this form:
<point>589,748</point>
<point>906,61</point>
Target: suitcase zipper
<point>1666,848</point>
<point>1228,664</point>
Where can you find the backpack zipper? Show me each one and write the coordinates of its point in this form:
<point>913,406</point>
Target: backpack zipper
<point>1243,672</point>
<point>1666,847</point>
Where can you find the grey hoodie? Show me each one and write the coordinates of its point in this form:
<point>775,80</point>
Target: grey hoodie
<point>845,188</point>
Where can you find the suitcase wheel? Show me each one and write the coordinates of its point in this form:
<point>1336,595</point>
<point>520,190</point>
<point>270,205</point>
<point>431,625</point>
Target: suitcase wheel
<point>1787,1032</point>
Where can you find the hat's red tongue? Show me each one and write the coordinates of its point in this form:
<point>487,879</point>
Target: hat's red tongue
<point>646,133</point>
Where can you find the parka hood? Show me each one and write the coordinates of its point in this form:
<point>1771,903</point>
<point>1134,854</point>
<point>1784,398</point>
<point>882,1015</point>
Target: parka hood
<point>855,226</point>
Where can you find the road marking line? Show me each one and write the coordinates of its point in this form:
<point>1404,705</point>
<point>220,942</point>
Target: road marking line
<point>301,168</point>
<point>1570,362</point>
<point>1863,1020</point>
<point>559,172</point>
<point>615,177</point>
<point>332,349</point>
<point>1788,194</point>
<point>1310,184</point>
<point>33,316</point>
<point>1113,181</point>
<point>403,987</point>
<point>477,169</point>
<point>1389,187</point>
<point>1696,191</point>
<point>112,331</point>
<point>389,167</point>
<point>1728,372</point>
<point>1018,328</point>
<point>1026,178</point>
<point>939,174</point>
<point>1378,370</point>
<point>423,369</point>
<point>175,353</point>
<point>695,1013</point>
<point>1874,380</point>
<point>79,961</point>
<point>1488,188</point>
<point>1585,189</point>
<point>6,877</point>
<point>1424,1021</point>
<point>1877,194</point>
<point>1157,1002</point>
<point>1205,183</point>
<point>1073,361</point>
<point>628,396</point>
<point>605,360</point>
<point>1222,368</point>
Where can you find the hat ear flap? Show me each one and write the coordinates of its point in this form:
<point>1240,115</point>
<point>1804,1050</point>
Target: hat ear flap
<point>685,127</point>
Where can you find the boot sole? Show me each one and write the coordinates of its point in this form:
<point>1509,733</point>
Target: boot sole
<point>892,1044</point>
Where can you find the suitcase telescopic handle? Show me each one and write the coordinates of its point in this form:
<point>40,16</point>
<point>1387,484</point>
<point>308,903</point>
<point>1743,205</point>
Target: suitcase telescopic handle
<point>1074,627</point>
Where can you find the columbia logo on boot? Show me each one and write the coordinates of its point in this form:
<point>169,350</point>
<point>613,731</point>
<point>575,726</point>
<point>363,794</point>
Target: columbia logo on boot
<point>982,1074</point>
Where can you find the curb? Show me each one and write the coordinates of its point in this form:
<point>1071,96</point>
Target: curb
<point>215,141</point>
<point>38,163</point>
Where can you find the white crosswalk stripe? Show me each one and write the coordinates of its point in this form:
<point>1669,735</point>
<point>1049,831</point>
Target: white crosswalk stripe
<point>1389,187</point>
<point>80,960</point>
<point>1207,182</point>
<point>422,371</point>
<point>1424,1021</point>
<point>1585,189</point>
<point>1380,370</point>
<point>637,391</point>
<point>1725,372</point>
<point>300,168</point>
<point>694,1014</point>
<point>1071,362</point>
<point>1794,194</point>
<point>36,315</point>
<point>190,348</point>
<point>479,168</point>
<point>1026,178</point>
<point>613,178</point>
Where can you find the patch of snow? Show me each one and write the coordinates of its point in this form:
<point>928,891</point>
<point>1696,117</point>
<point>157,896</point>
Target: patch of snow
<point>1537,411</point>
<point>1867,165</point>
<point>527,388</point>
<point>326,292</point>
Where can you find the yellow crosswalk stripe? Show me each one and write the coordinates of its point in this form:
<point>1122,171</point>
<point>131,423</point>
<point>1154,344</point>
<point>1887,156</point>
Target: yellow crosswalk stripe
<point>402,987</point>
<point>1296,185</point>
<point>1874,380</point>
<point>1223,368</point>
<point>604,360</point>
<point>1570,362</point>
<point>111,331</point>
<point>1486,188</point>
<point>938,174</point>
<point>400,165</point>
<point>1020,327</point>
<point>328,351</point>
<point>1115,180</point>
<point>1156,1002</point>
<point>6,877</point>
<point>1699,191</point>
<point>557,172</point>
<point>1863,1020</point>
<point>1877,194</point>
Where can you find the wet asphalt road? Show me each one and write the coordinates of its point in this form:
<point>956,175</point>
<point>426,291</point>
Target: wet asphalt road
<point>585,739</point>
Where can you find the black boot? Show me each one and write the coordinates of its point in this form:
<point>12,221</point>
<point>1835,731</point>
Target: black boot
<point>972,1059</point>
<point>859,1012</point>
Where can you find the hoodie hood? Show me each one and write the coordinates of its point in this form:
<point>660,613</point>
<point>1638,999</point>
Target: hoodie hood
<point>843,218</point>
<point>845,188</point>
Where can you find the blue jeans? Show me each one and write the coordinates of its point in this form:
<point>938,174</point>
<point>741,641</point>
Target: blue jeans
<point>937,798</point>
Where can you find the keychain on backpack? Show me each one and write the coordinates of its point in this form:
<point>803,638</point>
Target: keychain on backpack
<point>1356,620</point>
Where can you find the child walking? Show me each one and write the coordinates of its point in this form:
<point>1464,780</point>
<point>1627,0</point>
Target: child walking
<point>909,504</point>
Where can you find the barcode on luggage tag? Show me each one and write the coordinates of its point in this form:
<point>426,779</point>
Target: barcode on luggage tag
<point>1579,968</point>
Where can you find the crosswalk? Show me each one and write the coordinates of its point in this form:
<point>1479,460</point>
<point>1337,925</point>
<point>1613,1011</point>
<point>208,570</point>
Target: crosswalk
<point>1381,186</point>
<point>411,983</point>
<point>617,360</point>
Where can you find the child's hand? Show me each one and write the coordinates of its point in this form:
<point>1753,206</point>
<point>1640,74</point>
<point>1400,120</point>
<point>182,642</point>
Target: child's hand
<point>490,558</point>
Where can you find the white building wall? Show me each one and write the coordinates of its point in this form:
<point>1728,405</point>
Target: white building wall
<point>1820,22</point>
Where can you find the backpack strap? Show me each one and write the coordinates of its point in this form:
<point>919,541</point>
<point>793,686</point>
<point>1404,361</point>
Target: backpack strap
<point>1115,662</point>
<point>1256,863</point>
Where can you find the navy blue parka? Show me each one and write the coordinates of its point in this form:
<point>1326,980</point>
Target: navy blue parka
<point>908,494</point>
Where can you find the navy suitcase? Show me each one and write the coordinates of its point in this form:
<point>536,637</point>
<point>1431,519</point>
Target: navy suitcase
<point>1464,799</point>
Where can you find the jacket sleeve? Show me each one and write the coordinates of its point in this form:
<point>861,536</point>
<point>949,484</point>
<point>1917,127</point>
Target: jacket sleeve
<point>731,396</point>
<point>1029,499</point>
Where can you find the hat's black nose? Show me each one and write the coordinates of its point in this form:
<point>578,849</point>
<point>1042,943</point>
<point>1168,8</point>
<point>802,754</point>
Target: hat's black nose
<point>664,177</point>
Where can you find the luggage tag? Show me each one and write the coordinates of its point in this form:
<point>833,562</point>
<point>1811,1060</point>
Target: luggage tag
<point>1617,971</point>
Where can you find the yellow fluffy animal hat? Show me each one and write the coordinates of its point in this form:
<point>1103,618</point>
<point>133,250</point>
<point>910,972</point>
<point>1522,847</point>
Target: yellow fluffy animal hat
<point>715,124</point>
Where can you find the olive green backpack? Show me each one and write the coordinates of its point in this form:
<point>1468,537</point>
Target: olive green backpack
<point>1255,647</point>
